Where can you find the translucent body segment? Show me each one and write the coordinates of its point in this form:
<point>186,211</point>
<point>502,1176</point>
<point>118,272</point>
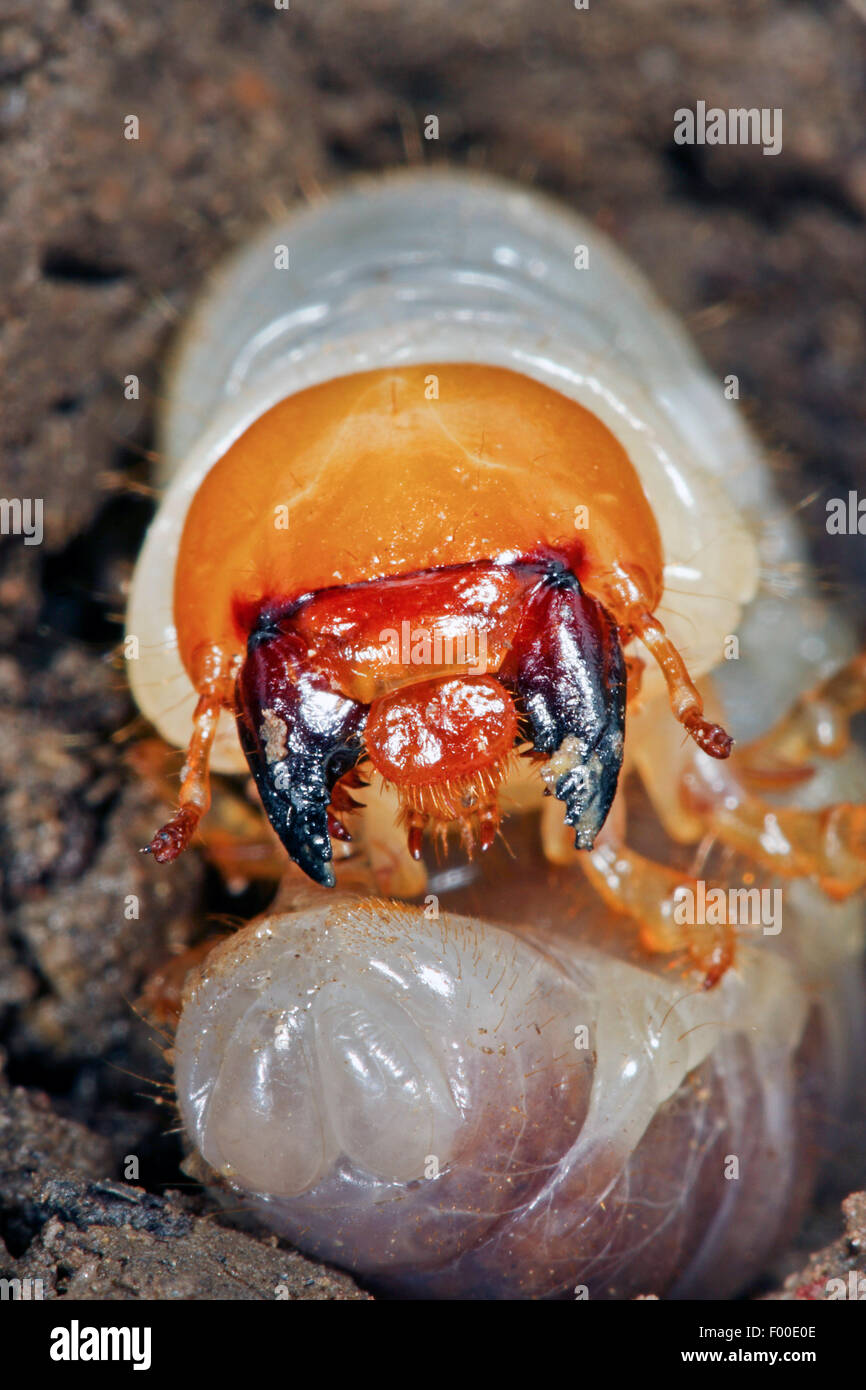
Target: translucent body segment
<point>477,1112</point>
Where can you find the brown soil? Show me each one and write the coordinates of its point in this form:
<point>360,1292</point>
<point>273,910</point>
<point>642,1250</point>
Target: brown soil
<point>103,242</point>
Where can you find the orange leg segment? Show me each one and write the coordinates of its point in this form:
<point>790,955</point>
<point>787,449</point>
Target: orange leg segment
<point>828,845</point>
<point>816,726</point>
<point>647,892</point>
<point>686,702</point>
<point>216,671</point>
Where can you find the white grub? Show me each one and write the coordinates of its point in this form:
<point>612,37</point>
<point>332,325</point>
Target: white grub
<point>448,1106</point>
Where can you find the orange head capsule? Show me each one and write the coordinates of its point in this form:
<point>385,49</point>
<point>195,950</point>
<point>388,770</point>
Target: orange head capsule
<point>400,564</point>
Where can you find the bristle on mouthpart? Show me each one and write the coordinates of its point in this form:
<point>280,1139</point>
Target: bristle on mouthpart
<point>469,804</point>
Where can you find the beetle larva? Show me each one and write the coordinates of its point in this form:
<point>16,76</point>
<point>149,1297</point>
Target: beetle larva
<point>502,1093</point>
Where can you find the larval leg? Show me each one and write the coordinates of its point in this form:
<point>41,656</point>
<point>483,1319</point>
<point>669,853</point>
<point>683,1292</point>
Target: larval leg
<point>651,893</point>
<point>215,686</point>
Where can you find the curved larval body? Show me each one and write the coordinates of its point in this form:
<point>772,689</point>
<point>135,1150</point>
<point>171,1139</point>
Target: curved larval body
<point>502,1094</point>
